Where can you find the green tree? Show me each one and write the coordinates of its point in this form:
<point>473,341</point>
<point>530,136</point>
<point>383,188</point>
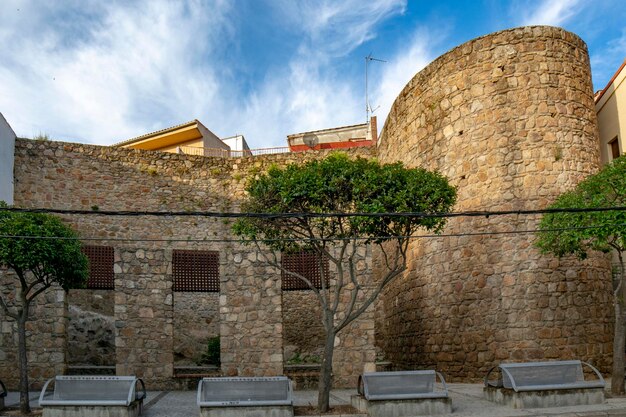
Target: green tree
<point>580,233</point>
<point>339,184</point>
<point>41,251</point>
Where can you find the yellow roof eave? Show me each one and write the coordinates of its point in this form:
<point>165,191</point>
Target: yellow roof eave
<point>164,138</point>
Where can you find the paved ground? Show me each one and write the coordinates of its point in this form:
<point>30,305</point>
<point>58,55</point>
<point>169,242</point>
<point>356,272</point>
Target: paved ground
<point>467,401</point>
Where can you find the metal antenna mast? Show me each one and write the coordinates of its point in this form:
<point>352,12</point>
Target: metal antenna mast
<point>368,108</point>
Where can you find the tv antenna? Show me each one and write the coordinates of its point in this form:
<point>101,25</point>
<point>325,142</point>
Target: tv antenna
<point>368,108</point>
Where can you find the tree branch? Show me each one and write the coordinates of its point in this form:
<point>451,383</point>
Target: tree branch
<point>278,265</point>
<point>384,252</point>
<point>340,272</point>
<point>39,280</point>
<point>355,291</point>
<point>349,319</point>
<point>22,278</point>
<point>399,267</point>
<point>36,293</point>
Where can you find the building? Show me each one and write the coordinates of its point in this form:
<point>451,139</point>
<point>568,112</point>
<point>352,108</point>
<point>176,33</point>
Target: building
<point>7,143</point>
<point>343,137</point>
<point>191,138</point>
<point>489,115</point>
<point>611,110</point>
<point>238,145</point>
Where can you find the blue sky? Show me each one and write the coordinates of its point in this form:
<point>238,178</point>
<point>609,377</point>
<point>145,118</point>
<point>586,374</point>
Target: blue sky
<point>104,71</point>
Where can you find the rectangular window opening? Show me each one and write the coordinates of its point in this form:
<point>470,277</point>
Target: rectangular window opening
<point>101,259</point>
<point>196,271</point>
<point>306,264</point>
<point>614,148</point>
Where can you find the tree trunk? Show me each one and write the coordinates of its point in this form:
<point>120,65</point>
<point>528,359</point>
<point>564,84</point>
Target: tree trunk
<point>23,361</point>
<point>326,373</point>
<point>619,341</point>
<point>619,336</point>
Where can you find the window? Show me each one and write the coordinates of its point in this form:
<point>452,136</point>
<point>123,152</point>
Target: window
<point>306,264</point>
<point>196,271</point>
<point>614,148</point>
<point>101,276</point>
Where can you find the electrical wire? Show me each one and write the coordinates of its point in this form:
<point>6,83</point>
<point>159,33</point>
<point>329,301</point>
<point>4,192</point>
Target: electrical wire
<point>411,237</point>
<point>425,215</point>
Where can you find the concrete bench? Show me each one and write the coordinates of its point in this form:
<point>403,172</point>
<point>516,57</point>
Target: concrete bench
<point>544,384</point>
<point>404,393</point>
<point>3,393</point>
<point>94,396</point>
<point>245,397</point>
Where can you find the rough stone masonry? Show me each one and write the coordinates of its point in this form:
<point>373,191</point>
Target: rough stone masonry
<point>507,117</point>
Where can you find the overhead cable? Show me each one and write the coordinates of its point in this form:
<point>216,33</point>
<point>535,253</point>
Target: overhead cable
<point>486,214</point>
<point>235,240</point>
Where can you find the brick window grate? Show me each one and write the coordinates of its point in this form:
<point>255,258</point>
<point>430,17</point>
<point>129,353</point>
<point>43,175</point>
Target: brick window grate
<point>101,276</point>
<point>306,264</point>
<point>196,271</point>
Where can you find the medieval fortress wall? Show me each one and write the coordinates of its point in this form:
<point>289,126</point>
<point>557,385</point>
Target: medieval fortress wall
<point>507,117</point>
<point>149,318</point>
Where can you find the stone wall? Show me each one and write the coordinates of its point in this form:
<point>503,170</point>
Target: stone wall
<point>196,320</point>
<point>302,326</point>
<point>144,314</point>
<point>94,301</point>
<point>509,119</point>
<point>91,328</point>
<point>85,177</point>
<point>355,345</point>
<point>46,336</point>
<point>250,316</point>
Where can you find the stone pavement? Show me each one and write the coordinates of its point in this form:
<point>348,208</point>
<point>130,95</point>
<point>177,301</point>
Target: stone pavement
<point>467,401</point>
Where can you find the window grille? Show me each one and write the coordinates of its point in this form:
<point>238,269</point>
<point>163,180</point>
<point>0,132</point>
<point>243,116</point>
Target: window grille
<point>101,276</point>
<point>306,264</point>
<point>196,271</point>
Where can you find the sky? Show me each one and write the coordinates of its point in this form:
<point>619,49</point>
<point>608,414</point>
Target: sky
<point>100,72</point>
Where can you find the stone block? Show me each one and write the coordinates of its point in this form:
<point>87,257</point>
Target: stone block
<point>402,408</point>
<point>133,410</point>
<point>495,139</point>
<point>266,411</point>
<point>544,399</point>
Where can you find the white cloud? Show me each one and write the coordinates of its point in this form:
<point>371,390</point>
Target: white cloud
<point>400,70</point>
<point>101,72</point>
<point>133,68</point>
<point>335,28</point>
<point>551,12</point>
<point>297,100</point>
<point>339,27</point>
<point>307,94</point>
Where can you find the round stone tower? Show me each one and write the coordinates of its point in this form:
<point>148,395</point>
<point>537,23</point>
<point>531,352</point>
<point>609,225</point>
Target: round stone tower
<point>509,118</point>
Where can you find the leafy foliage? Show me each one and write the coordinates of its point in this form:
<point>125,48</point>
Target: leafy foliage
<point>212,354</point>
<point>42,251</point>
<point>49,260</point>
<point>42,136</point>
<point>578,232</point>
<point>299,359</point>
<point>342,185</point>
<point>338,184</point>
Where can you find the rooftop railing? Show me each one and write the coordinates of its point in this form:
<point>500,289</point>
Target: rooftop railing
<point>224,153</point>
